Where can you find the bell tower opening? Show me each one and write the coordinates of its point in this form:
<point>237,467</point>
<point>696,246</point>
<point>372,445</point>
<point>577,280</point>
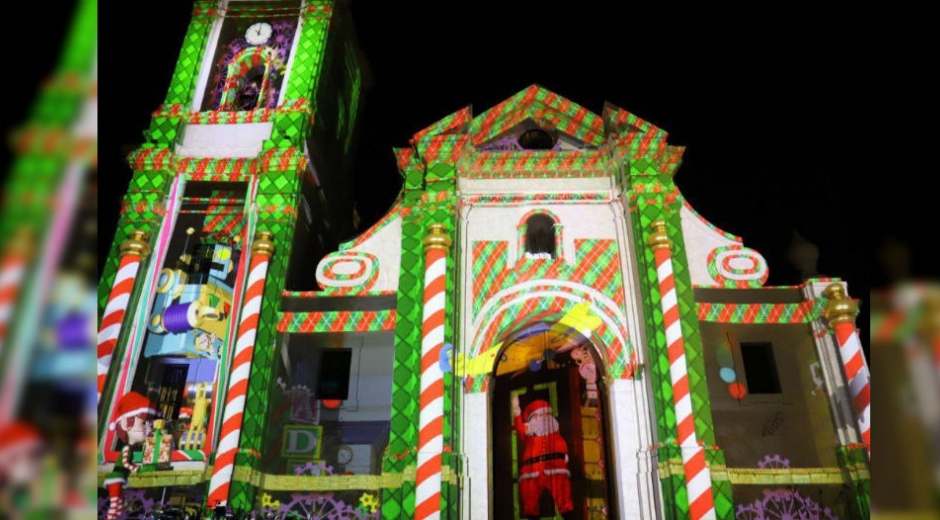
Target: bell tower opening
<point>550,453</point>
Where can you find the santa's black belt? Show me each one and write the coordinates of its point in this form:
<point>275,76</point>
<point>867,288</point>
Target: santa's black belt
<point>543,458</point>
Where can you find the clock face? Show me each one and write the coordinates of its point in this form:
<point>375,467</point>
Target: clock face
<point>258,34</point>
<point>344,455</point>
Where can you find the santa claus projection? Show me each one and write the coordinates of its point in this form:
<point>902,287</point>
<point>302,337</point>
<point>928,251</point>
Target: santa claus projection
<point>544,462</point>
<point>132,424</point>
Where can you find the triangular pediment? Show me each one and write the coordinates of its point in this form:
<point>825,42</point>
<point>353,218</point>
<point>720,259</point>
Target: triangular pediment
<point>566,119</point>
<point>513,140</point>
<point>536,120</point>
<point>574,126</point>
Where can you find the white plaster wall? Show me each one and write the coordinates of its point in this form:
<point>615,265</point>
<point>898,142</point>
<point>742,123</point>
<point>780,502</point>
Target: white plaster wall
<point>644,501</point>
<point>228,141</point>
<point>637,483</point>
<point>386,246</point>
<point>290,60</point>
<point>578,221</point>
<point>476,452</point>
<point>369,396</point>
<point>86,127</point>
<point>700,240</point>
<point>624,427</point>
<point>633,461</point>
<point>480,222</point>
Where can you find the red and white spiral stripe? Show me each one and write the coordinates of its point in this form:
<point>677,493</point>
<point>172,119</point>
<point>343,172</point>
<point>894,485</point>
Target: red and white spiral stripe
<point>232,416</point>
<point>11,279</point>
<point>698,480</point>
<point>431,411</point>
<point>114,312</point>
<point>857,375</point>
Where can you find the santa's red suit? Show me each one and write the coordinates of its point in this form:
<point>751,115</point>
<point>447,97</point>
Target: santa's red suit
<point>544,462</point>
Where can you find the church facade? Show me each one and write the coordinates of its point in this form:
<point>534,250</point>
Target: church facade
<point>540,327</point>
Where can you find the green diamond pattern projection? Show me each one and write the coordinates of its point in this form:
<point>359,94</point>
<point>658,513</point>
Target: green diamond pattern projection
<point>651,200</point>
<point>419,210</point>
<point>44,145</point>
<point>429,170</point>
<point>851,459</point>
<point>255,435</point>
<point>142,209</point>
<point>276,199</point>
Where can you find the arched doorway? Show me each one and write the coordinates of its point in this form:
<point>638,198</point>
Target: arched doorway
<point>550,448</point>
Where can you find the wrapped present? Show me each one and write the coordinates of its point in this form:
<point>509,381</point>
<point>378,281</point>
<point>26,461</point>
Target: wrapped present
<point>157,447</point>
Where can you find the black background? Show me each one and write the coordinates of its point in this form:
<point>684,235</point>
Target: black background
<point>788,109</point>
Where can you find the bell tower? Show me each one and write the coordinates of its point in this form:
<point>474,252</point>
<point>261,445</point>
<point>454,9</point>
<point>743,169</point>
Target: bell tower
<point>243,180</point>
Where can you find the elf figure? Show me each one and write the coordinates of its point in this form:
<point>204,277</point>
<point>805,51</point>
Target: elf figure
<point>20,448</point>
<point>132,424</point>
<point>544,462</point>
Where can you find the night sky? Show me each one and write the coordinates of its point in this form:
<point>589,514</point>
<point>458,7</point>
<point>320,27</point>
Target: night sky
<point>785,109</point>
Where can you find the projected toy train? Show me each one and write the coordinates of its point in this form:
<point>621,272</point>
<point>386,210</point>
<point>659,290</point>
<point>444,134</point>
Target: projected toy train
<point>193,304</point>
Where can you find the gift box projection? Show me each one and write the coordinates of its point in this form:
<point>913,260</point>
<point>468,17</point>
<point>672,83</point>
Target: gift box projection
<point>540,327</point>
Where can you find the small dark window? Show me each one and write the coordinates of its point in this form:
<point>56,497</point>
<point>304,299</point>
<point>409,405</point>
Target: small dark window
<point>540,235</point>
<point>760,369</point>
<point>334,374</point>
<point>536,139</point>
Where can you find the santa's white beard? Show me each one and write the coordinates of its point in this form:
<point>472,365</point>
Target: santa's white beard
<point>541,425</point>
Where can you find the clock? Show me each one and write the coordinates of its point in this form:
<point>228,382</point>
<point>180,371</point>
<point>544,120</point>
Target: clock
<point>344,455</point>
<point>259,33</point>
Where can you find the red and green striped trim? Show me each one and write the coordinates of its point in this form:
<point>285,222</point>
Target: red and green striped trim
<point>336,321</point>
<point>538,164</point>
<point>513,199</point>
<point>765,313</point>
<point>274,160</point>
<point>725,274</point>
<point>544,107</point>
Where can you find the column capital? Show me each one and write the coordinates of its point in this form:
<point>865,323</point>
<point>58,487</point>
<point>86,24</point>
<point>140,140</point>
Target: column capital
<point>136,244</point>
<point>840,308</point>
<point>930,321</point>
<point>658,239</point>
<point>21,243</point>
<point>437,238</point>
<point>263,243</point>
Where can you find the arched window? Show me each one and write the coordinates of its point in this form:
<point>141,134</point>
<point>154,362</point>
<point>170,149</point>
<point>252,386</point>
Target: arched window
<point>251,80</point>
<point>249,95</point>
<point>540,235</point>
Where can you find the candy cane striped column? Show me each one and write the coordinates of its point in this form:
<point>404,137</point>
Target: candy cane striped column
<point>261,250</point>
<point>12,271</point>
<point>698,481</point>
<point>840,311</point>
<point>133,252</point>
<point>431,405</point>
